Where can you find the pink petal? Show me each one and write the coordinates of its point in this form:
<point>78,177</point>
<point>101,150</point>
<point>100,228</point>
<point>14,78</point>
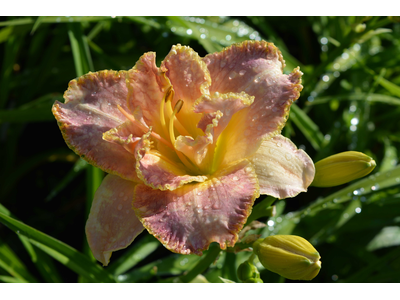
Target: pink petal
<point>147,85</point>
<point>112,223</point>
<point>282,170</point>
<point>228,104</point>
<point>254,67</point>
<point>217,111</point>
<point>190,78</point>
<point>158,171</point>
<point>90,109</point>
<point>188,219</point>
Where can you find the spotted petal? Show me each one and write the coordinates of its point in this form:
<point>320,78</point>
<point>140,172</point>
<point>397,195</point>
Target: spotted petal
<point>147,85</point>
<point>253,67</point>
<point>188,219</point>
<point>90,109</point>
<point>283,171</point>
<point>112,223</point>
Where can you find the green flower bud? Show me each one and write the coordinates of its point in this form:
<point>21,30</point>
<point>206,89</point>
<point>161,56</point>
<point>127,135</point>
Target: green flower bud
<point>342,168</point>
<point>360,27</point>
<point>290,256</point>
<point>247,271</point>
<point>254,280</point>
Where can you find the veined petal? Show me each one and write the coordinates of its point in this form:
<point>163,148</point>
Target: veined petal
<point>112,224</point>
<point>228,104</point>
<point>158,171</point>
<point>147,85</point>
<point>90,109</point>
<point>188,219</point>
<point>127,135</point>
<point>283,171</point>
<point>190,78</point>
<point>195,149</point>
<point>254,67</point>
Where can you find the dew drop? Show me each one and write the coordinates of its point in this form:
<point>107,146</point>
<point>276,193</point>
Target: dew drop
<point>357,210</point>
<point>288,156</point>
<point>279,144</point>
<point>121,194</point>
<point>242,72</point>
<point>119,206</point>
<point>222,64</point>
<point>235,178</point>
<point>375,187</point>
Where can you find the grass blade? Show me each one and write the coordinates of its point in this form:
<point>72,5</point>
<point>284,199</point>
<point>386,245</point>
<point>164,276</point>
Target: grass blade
<point>13,265</point>
<point>306,126</point>
<point>65,254</point>
<point>134,255</point>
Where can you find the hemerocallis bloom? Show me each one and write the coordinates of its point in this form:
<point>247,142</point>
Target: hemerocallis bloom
<point>188,146</point>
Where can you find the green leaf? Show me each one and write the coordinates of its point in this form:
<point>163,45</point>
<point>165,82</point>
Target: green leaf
<point>42,261</point>
<point>78,167</point>
<point>389,236</point>
<point>371,184</point>
<point>171,265</point>
<point>224,280</point>
<point>306,126</point>
<point>65,254</point>
<point>390,87</point>
<point>10,262</point>
<point>78,19</point>
<point>358,97</point>
<point>203,264</point>
<point>134,255</point>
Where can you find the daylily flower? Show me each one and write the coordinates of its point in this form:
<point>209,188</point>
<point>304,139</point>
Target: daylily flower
<point>188,146</point>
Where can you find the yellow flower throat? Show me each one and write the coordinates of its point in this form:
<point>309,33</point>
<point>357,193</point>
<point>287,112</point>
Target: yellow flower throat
<point>168,131</point>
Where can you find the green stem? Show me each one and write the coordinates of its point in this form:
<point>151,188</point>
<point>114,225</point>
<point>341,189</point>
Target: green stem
<point>202,265</point>
<point>262,209</point>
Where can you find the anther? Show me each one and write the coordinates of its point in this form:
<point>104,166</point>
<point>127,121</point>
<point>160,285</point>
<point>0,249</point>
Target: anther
<point>169,95</point>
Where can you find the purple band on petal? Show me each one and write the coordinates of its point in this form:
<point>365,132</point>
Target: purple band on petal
<point>188,219</point>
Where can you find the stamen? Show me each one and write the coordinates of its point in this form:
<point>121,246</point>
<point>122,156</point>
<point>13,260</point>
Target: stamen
<point>167,97</point>
<point>177,108</point>
<point>182,157</point>
<point>144,128</point>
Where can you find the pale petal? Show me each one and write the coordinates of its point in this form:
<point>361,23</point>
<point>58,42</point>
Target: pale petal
<point>147,85</point>
<point>253,67</point>
<point>228,104</point>
<point>112,224</point>
<point>127,135</point>
<point>188,219</point>
<point>158,171</point>
<point>282,170</point>
<point>90,109</point>
<point>190,78</point>
<point>217,111</point>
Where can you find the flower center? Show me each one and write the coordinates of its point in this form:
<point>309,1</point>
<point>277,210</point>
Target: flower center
<point>167,116</point>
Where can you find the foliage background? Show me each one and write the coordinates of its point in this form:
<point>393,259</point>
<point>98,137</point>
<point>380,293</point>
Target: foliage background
<point>350,101</point>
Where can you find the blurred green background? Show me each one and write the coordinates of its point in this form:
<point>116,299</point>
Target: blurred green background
<point>350,101</point>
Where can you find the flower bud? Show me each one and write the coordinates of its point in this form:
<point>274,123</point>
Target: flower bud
<point>254,280</point>
<point>247,271</point>
<point>290,256</point>
<point>342,168</point>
